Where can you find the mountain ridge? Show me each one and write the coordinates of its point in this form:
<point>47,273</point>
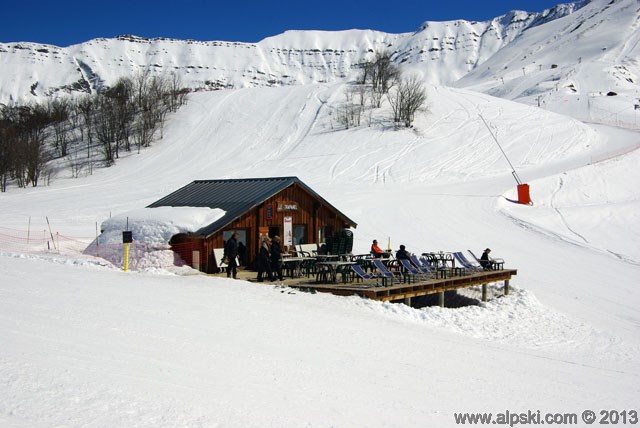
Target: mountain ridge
<point>578,59</point>
<point>293,57</point>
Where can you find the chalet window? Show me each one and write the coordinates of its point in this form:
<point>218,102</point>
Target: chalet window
<point>323,233</point>
<point>242,243</point>
<point>242,235</point>
<point>300,234</point>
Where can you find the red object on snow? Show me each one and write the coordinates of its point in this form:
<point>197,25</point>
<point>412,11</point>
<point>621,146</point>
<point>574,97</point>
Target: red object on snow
<point>523,194</point>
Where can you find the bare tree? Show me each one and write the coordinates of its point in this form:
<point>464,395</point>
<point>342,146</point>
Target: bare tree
<point>177,95</point>
<point>381,73</point>
<point>106,129</point>
<point>122,108</point>
<point>8,137</point>
<point>159,91</point>
<point>407,99</point>
<point>350,112</point>
<point>86,108</point>
<point>32,156</point>
<point>384,72</point>
<point>130,111</point>
<point>60,110</point>
<point>360,93</point>
<point>76,164</point>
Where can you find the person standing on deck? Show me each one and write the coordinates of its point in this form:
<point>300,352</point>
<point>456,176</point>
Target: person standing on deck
<point>264,260</point>
<point>276,258</point>
<point>231,252</point>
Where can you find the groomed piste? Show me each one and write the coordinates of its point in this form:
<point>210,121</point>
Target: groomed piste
<point>83,343</point>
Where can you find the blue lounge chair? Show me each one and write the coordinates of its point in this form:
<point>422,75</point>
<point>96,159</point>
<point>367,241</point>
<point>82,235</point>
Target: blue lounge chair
<point>434,268</point>
<point>422,267</point>
<point>465,263</point>
<point>362,274</point>
<point>406,276</point>
<point>427,264</point>
<point>385,274</point>
<point>410,270</point>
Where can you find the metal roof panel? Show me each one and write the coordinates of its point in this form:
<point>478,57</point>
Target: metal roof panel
<point>235,196</point>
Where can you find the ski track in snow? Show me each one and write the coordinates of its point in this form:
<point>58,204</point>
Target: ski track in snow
<point>562,218</point>
<point>143,345</point>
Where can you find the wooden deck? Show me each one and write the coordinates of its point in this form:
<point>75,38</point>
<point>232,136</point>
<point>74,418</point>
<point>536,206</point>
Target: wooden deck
<point>398,291</point>
<point>406,291</point>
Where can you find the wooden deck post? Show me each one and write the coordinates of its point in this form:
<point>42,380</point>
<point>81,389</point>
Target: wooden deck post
<point>506,287</point>
<point>407,301</point>
<point>484,292</point>
<point>441,299</point>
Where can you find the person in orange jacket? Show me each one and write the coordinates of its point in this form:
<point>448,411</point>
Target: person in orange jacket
<point>375,250</point>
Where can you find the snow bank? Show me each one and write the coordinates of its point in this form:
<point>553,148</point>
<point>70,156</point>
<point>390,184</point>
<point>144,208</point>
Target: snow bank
<point>518,320</point>
<point>208,352</point>
<point>152,229</point>
<point>158,225</point>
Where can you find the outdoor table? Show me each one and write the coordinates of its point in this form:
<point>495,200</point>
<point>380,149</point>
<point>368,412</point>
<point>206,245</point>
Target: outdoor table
<point>497,264</point>
<point>332,267</point>
<point>327,257</point>
<point>292,265</point>
<point>363,260</point>
<point>441,258</point>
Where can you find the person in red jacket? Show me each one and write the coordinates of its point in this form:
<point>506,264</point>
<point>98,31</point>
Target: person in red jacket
<point>375,250</point>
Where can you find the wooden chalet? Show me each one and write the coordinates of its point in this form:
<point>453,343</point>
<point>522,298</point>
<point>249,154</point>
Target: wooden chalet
<point>254,207</point>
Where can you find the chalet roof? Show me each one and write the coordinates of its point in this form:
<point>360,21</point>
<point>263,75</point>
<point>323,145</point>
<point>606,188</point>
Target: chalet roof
<point>235,196</point>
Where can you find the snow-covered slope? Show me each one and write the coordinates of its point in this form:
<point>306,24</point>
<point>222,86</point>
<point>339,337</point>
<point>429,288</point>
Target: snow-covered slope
<point>566,59</point>
<point>83,344</point>
<point>571,65</point>
<point>434,186</point>
<point>155,349</point>
<point>86,346</point>
<point>192,351</point>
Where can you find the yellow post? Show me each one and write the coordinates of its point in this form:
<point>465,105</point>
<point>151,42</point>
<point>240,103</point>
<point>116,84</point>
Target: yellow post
<point>126,257</point>
<point>389,244</point>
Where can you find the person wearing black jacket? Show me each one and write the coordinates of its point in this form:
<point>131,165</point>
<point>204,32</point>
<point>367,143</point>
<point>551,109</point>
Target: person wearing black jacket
<point>231,252</point>
<point>276,258</point>
<point>485,260</point>
<point>264,260</point>
<point>402,253</point>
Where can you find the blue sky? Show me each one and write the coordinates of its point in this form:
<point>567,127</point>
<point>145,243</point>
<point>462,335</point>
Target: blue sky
<point>65,23</point>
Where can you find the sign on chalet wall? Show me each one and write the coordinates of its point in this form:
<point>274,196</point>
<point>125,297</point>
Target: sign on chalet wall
<point>287,206</point>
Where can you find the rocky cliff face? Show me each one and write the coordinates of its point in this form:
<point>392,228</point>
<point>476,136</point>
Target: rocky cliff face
<point>442,51</point>
<point>576,48</point>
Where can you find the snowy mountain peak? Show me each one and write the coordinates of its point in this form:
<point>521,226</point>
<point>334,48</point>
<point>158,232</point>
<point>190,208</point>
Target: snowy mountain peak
<point>499,56</point>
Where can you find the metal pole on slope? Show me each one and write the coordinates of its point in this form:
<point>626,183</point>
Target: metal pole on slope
<point>513,170</point>
<point>523,189</point>
<point>127,238</point>
<point>50,233</point>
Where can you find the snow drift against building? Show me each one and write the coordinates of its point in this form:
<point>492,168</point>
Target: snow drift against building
<point>152,229</point>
